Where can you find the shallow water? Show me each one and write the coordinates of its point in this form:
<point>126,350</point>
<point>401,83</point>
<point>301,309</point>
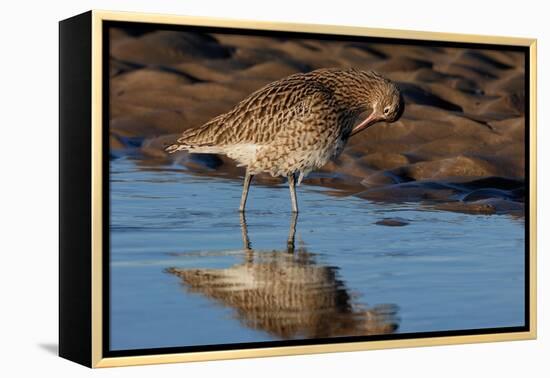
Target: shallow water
<point>187,270</point>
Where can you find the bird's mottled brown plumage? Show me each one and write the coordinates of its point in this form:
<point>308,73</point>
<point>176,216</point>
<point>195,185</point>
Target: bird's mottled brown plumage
<point>296,124</point>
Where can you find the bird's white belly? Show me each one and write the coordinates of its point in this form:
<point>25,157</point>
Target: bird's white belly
<point>280,161</point>
<point>243,153</point>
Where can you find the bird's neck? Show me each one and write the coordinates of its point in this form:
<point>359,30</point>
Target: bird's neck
<point>347,119</point>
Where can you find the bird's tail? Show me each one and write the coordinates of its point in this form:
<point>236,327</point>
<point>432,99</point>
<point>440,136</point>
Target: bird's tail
<point>197,148</point>
<point>200,140</point>
<point>175,148</point>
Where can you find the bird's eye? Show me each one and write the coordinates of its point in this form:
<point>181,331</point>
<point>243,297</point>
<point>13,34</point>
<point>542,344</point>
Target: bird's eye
<point>387,110</point>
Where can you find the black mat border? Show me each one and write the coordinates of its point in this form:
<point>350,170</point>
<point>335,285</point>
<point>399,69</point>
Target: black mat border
<point>142,27</point>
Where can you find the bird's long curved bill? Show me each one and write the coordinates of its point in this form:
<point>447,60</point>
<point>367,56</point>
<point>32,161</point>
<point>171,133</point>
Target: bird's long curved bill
<point>364,124</point>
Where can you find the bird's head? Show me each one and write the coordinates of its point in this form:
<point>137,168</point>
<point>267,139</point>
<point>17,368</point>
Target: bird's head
<point>378,100</point>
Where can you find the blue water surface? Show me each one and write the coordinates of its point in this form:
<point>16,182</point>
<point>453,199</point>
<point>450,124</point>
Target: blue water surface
<point>442,271</point>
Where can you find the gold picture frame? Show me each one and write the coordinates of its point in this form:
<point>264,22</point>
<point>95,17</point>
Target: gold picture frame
<point>82,235</point>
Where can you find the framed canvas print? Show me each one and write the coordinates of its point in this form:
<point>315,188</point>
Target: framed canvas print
<point>235,189</point>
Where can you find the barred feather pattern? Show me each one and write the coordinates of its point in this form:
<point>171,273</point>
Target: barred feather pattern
<point>293,125</point>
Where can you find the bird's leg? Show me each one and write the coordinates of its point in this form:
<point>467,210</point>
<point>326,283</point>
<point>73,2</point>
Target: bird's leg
<point>246,185</point>
<point>292,233</point>
<point>244,232</point>
<point>249,252</point>
<point>292,186</point>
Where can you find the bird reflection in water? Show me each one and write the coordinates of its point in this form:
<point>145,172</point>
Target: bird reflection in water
<point>288,294</point>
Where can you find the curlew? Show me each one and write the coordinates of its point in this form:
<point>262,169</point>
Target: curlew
<point>295,125</point>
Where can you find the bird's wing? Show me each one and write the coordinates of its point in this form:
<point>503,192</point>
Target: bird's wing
<point>261,116</point>
<point>304,142</point>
